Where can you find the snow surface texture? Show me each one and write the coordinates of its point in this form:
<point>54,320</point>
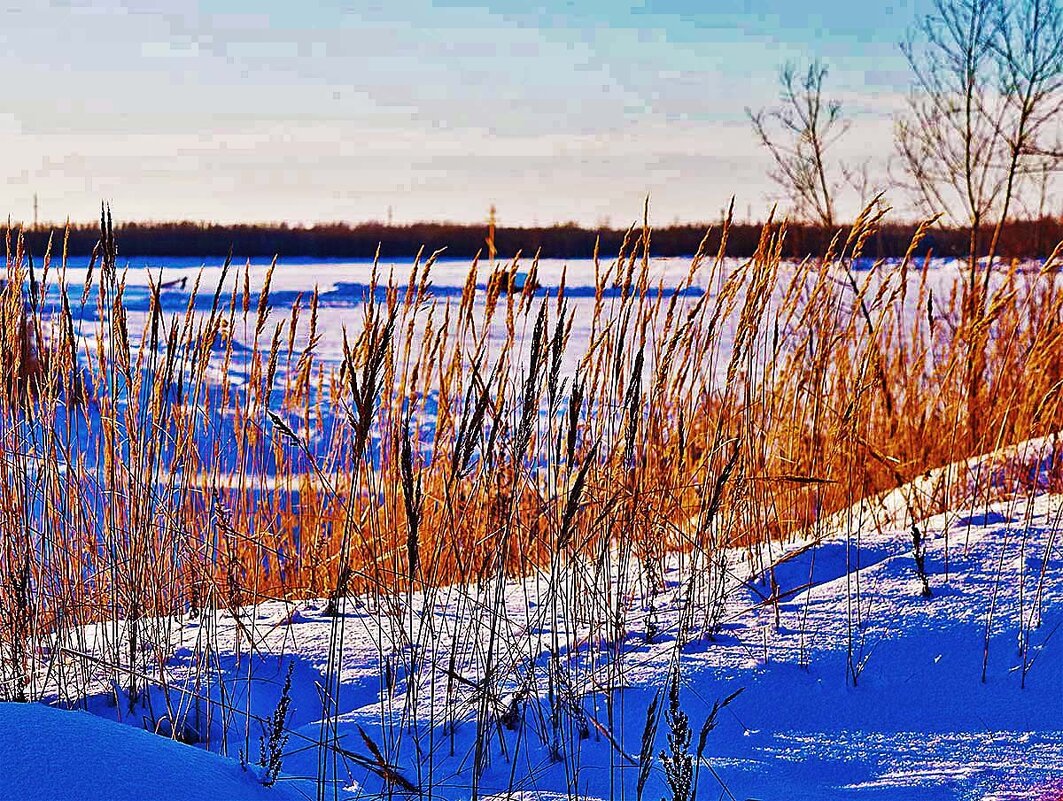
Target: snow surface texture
<point>854,685</point>
<point>54,754</point>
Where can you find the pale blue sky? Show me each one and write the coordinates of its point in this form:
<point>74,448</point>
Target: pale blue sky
<point>302,111</point>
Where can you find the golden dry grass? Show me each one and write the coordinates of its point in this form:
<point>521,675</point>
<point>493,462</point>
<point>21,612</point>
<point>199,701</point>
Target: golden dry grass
<point>831,391</point>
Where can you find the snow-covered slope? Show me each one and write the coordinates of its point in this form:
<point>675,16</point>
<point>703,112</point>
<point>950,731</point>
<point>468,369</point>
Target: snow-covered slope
<point>854,683</point>
<point>51,754</point>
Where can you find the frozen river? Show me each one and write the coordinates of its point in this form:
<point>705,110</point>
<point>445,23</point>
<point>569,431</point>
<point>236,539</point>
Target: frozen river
<point>344,286</point>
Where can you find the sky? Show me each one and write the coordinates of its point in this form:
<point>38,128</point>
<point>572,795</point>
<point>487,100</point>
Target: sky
<point>553,111</point>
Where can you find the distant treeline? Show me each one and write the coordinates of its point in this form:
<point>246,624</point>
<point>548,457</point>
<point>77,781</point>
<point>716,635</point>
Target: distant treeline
<point>1022,238</point>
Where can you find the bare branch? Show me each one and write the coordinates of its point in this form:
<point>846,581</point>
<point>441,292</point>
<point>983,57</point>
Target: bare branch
<point>798,133</point>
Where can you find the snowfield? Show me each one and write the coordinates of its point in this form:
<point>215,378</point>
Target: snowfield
<point>853,683</point>
<point>52,754</point>
<point>822,666</point>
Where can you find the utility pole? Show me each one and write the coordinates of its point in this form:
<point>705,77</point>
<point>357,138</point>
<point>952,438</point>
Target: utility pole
<point>35,219</point>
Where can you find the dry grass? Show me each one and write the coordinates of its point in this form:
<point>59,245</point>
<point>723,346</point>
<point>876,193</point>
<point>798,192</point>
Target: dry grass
<point>830,392</point>
<point>752,412</point>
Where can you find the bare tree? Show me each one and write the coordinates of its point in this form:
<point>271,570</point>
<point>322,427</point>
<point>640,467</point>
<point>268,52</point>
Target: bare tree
<point>1029,51</point>
<point>988,84</point>
<point>951,141</point>
<point>798,133</point>
<point>988,79</point>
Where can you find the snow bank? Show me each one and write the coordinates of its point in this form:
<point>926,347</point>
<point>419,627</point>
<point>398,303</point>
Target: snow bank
<point>854,684</point>
<point>55,754</point>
